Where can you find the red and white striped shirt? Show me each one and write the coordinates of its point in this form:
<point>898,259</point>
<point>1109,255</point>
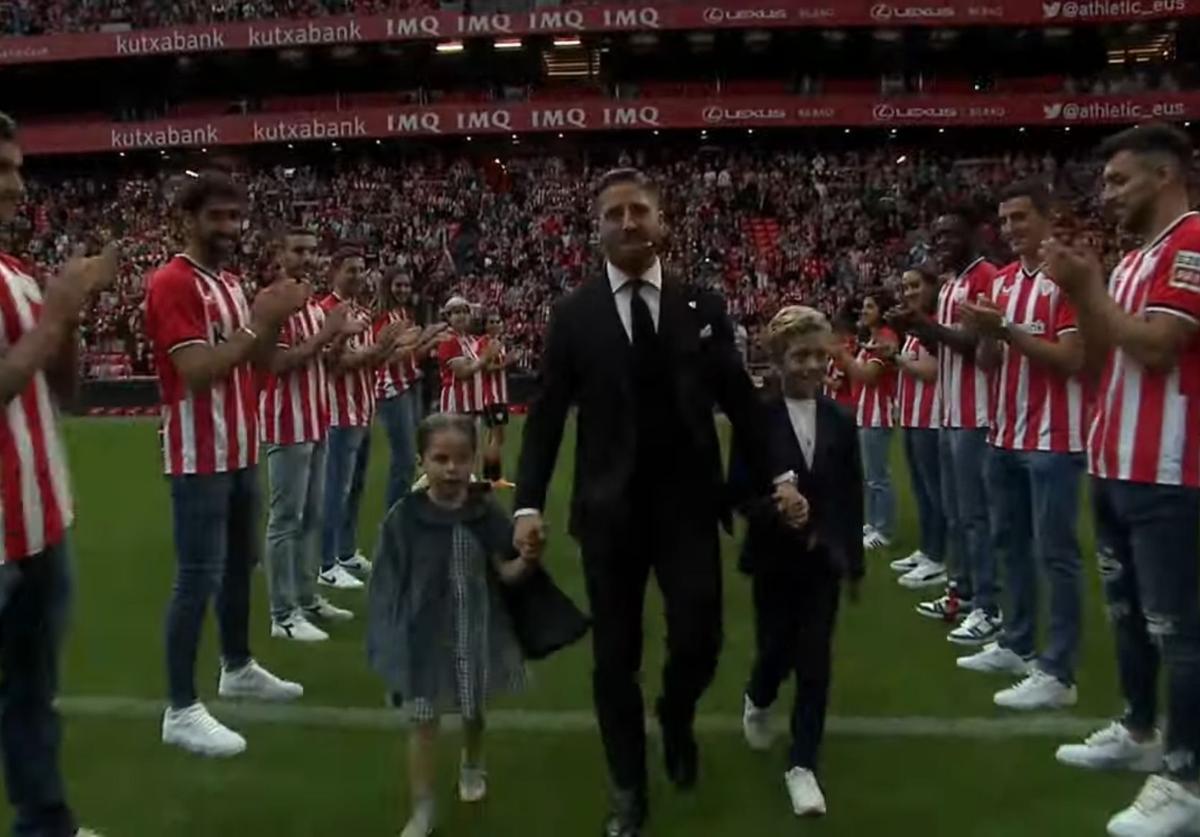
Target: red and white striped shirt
<point>1144,428</point>
<point>495,381</point>
<point>293,408</point>
<point>35,491</point>
<point>216,430</point>
<point>352,392</point>
<point>397,377</point>
<point>1036,409</point>
<point>459,395</point>
<point>838,385</point>
<point>875,400</point>
<point>919,403</point>
<point>964,387</point>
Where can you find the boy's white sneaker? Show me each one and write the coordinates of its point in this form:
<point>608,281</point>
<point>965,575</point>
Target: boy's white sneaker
<point>756,726</point>
<point>254,681</point>
<point>1113,748</point>
<point>807,799</point>
<point>1164,808</point>
<point>195,730</point>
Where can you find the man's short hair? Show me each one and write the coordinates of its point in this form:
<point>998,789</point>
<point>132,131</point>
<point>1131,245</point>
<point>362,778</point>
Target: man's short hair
<point>632,176</point>
<point>792,322</point>
<point>1151,138</point>
<point>1035,190</point>
<point>8,128</point>
<point>343,253</point>
<point>205,188</point>
<point>965,213</point>
<point>281,234</point>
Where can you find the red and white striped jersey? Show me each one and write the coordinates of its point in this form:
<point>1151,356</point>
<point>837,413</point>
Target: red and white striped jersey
<point>396,377</point>
<point>293,408</point>
<point>1144,428</point>
<point>839,385</point>
<point>352,392</point>
<point>1036,409</point>
<point>215,430</point>
<point>918,401</point>
<point>875,401</point>
<point>465,395</point>
<point>35,492</point>
<point>495,382</point>
<point>964,386</point>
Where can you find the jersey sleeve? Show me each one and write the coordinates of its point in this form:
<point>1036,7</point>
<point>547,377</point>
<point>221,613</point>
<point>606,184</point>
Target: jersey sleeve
<point>1064,317</point>
<point>447,351</point>
<point>1175,288</point>
<point>175,311</point>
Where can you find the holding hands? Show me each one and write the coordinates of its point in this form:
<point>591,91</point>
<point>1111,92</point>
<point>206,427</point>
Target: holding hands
<point>791,505</point>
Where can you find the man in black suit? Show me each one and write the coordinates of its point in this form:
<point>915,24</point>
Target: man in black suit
<point>644,358</point>
<point>797,573</point>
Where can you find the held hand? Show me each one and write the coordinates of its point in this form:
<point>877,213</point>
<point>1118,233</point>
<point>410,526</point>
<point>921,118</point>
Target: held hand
<point>515,570</point>
<point>529,536</point>
<point>791,505</point>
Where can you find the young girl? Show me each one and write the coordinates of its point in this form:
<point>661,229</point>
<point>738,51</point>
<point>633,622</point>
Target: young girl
<point>439,633</point>
<point>872,370</point>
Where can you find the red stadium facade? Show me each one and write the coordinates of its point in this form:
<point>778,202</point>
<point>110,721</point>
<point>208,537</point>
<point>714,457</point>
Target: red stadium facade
<point>274,34</point>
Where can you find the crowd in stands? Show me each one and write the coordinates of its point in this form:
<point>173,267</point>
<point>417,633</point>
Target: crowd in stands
<point>763,227</point>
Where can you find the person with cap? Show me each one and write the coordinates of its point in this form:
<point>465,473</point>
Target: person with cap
<point>461,361</point>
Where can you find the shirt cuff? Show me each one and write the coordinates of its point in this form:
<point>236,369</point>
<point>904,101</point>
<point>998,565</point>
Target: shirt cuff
<point>525,512</point>
<point>786,477</point>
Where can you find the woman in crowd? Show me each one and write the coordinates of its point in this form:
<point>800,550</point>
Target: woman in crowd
<point>876,378</point>
<point>920,417</point>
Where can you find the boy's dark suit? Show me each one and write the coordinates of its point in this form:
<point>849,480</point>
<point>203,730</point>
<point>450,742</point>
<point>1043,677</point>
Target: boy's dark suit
<point>797,575</point>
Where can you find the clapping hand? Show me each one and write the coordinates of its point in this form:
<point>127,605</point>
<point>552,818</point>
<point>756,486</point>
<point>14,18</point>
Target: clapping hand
<point>278,301</point>
<point>1072,262</point>
<point>983,317</point>
<point>82,276</point>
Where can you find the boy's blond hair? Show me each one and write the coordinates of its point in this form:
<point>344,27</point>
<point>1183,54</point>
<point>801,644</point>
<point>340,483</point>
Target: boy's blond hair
<point>790,323</point>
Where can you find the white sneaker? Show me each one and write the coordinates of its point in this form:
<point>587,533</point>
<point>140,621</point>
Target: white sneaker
<point>1113,748</point>
<point>1038,691</point>
<point>945,608</point>
<point>807,799</point>
<point>995,659</point>
<point>977,629</point>
<point>196,731</point>
<point>254,681</point>
<point>927,573</point>
<point>327,611</point>
<point>1164,808</point>
<point>904,565</point>
<point>339,577</point>
<point>86,832</point>
<point>756,726</point>
<point>472,783</point>
<point>421,823</point>
<point>876,540</point>
<point>298,628</point>
<point>356,563</point>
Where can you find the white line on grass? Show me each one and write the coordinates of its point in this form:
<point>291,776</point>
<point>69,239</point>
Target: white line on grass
<point>518,720</point>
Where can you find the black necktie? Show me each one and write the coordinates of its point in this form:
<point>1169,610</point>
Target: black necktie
<point>642,323</point>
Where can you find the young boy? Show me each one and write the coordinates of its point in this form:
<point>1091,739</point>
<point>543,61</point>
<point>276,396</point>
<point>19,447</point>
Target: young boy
<point>797,574</point>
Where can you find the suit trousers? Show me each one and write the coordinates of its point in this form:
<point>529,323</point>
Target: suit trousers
<point>795,611</point>
<point>668,536</point>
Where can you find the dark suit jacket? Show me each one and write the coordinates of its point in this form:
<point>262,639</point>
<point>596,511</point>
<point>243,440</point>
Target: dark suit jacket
<point>587,362</point>
<point>833,488</point>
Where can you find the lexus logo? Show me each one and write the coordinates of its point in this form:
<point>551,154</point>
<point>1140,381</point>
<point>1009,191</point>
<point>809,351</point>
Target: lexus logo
<point>713,114</point>
<point>713,15</point>
<point>881,11</point>
<point>883,113</point>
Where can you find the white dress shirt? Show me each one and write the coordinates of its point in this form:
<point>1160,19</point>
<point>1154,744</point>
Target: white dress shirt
<point>651,292</point>
<point>803,413</point>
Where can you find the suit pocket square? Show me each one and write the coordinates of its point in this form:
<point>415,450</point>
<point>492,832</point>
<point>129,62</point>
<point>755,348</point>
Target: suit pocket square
<point>706,332</point>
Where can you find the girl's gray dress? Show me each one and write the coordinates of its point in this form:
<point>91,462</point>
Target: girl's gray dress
<point>438,632</point>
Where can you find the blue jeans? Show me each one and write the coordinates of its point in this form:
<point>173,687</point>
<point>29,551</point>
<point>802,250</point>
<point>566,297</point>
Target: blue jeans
<point>1036,500</point>
<point>216,545</point>
<point>1148,539</point>
<point>35,602</point>
<point>345,475</point>
<point>400,416</point>
<point>297,476</point>
<point>921,448</point>
<point>963,455</point>
<point>879,502</point>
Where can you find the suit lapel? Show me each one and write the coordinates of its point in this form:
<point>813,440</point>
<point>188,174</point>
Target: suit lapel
<point>825,430</point>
